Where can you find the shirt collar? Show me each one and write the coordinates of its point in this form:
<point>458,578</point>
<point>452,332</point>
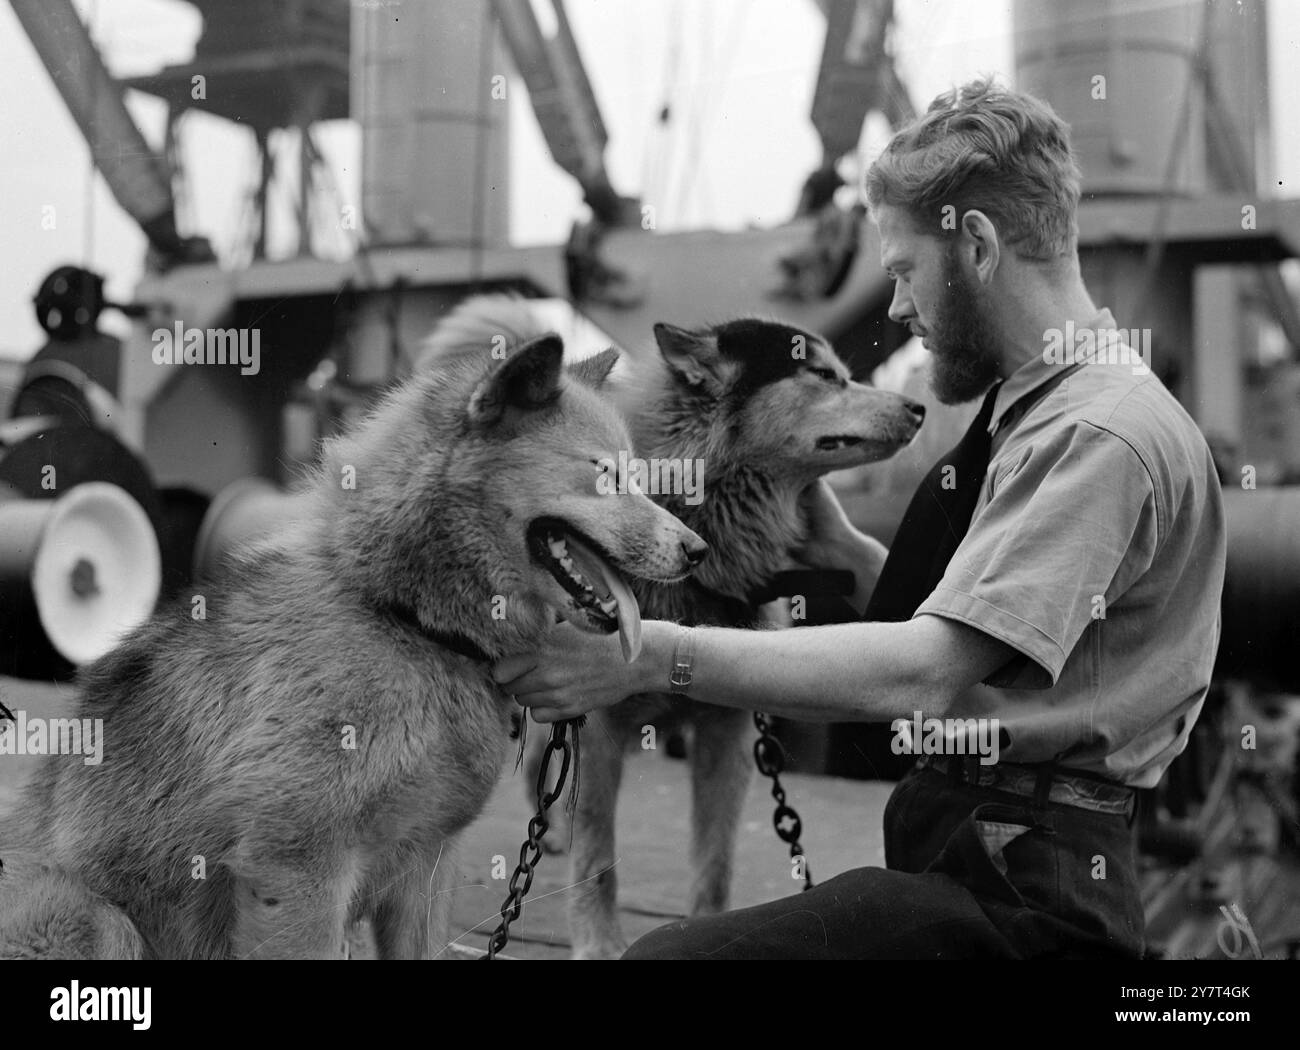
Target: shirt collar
<point>1037,371</point>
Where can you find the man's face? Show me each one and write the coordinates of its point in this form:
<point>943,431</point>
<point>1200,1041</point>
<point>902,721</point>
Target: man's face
<point>942,304</point>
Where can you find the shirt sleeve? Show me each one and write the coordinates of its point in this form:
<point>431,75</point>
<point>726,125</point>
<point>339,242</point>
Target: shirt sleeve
<point>1067,529</point>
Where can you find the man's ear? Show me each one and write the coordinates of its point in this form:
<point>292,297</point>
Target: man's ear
<point>527,380</point>
<point>981,236</point>
<point>594,370</point>
<point>693,357</point>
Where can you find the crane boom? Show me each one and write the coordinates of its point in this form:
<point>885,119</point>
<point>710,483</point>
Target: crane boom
<point>857,74</point>
<point>136,175</point>
<point>562,99</point>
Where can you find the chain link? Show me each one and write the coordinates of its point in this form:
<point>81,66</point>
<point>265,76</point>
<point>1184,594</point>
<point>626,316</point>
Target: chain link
<point>530,853</point>
<point>769,756</point>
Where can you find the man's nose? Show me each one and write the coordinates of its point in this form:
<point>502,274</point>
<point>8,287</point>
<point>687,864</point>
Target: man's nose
<point>900,308</point>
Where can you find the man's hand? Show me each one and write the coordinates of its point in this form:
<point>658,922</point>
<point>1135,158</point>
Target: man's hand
<point>578,671</point>
<point>833,542</point>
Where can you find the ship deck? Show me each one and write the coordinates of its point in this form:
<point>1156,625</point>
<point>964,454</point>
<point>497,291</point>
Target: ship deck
<point>842,830</point>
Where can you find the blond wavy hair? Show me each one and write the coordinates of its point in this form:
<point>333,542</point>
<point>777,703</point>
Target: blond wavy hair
<point>983,147</point>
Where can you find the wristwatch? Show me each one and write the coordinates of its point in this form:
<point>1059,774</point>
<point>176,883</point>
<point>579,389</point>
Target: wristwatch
<point>683,659</point>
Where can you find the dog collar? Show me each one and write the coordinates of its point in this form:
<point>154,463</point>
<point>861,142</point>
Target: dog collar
<point>838,583</point>
<point>457,643</point>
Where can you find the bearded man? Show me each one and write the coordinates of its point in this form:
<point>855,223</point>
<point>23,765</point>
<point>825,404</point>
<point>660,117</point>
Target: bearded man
<point>1057,576</point>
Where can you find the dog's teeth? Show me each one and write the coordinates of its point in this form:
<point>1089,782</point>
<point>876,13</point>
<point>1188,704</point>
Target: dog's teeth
<point>576,576</point>
<point>558,548</point>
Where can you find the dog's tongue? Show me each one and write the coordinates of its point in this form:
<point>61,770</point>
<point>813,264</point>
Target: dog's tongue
<point>628,613</point>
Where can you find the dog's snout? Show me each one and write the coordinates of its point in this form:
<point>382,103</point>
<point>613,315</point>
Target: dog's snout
<point>694,549</point>
<point>916,408</point>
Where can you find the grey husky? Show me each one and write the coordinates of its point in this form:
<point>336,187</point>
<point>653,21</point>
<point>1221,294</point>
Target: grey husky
<point>305,754</point>
<point>765,409</point>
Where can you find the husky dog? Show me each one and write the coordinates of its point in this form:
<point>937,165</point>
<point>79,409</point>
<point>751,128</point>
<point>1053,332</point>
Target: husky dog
<point>765,409</point>
<point>300,749</point>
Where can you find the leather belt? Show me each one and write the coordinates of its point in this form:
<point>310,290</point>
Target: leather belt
<point>1043,783</point>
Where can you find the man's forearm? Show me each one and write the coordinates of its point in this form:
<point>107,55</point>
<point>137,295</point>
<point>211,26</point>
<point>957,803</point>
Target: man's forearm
<point>845,672</point>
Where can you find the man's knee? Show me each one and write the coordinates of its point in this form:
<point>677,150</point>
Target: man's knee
<point>866,913</point>
<point>666,942</point>
<point>850,906</point>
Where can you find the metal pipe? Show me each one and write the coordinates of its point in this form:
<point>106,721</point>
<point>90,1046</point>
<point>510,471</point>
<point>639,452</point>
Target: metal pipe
<point>1261,594</point>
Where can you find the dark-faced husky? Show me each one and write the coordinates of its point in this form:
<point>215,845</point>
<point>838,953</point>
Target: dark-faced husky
<point>304,753</point>
<point>757,411</point>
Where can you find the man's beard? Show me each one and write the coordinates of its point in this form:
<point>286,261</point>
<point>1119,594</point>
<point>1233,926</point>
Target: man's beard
<point>962,342</point>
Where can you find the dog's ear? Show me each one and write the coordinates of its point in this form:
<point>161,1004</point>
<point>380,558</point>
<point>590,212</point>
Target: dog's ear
<point>692,357</point>
<point>527,380</point>
<point>594,370</point>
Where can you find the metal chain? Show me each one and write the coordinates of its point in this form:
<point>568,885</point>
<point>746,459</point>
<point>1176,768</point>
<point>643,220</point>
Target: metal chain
<point>530,853</point>
<point>769,755</point>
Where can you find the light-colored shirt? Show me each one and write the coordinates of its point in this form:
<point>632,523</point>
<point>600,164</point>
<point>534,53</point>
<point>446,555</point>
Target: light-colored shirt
<point>1096,551</point>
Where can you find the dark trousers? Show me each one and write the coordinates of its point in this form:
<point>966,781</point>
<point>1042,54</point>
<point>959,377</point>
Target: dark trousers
<point>972,873</point>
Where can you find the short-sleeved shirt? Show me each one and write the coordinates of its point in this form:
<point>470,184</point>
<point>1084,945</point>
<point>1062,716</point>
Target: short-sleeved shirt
<point>1096,551</point>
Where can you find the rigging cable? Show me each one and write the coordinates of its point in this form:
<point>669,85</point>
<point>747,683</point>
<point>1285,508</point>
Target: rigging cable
<point>487,30</point>
<point>656,187</point>
<point>88,230</point>
<point>731,44</point>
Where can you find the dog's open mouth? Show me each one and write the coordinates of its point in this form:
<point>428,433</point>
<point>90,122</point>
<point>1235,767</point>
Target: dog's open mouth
<point>834,442</point>
<point>584,571</point>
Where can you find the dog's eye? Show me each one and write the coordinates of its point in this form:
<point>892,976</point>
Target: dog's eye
<point>608,468</point>
<point>825,373</point>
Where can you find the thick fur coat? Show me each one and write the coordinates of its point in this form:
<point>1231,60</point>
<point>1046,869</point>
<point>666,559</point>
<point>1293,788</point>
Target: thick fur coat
<point>305,753</point>
<point>765,409</point>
